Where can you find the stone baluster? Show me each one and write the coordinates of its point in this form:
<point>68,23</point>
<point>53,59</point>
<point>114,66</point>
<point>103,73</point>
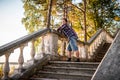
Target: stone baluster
<point>6,68</point>
<point>92,48</point>
<point>97,43</point>
<point>99,40</point>
<point>41,52</point>
<point>32,53</point>
<point>21,59</point>
<point>86,52</point>
<point>103,38</point>
<point>94,43</point>
<point>89,52</point>
<point>42,47</point>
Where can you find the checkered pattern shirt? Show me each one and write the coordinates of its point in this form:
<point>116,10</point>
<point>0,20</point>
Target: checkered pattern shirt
<point>67,31</point>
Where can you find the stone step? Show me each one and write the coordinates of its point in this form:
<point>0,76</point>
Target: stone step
<point>104,48</point>
<point>99,57</point>
<point>74,64</point>
<point>101,53</point>
<point>69,69</point>
<point>48,79</point>
<point>62,75</point>
<point>42,79</point>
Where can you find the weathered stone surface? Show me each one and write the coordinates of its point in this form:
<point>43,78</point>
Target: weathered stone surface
<point>109,69</point>
<point>50,43</point>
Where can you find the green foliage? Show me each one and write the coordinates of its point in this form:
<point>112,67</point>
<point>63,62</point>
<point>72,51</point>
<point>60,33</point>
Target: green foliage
<point>104,13</point>
<point>35,14</point>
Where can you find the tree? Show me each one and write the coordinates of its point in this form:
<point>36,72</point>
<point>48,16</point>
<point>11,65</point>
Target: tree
<point>35,14</point>
<point>104,13</point>
<point>98,13</point>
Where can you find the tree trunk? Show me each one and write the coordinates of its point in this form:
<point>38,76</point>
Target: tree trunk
<point>65,9</point>
<point>49,14</point>
<point>85,28</point>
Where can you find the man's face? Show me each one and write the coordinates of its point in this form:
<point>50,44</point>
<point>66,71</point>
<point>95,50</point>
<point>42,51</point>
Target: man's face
<point>63,21</point>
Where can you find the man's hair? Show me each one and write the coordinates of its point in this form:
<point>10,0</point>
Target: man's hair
<point>65,19</point>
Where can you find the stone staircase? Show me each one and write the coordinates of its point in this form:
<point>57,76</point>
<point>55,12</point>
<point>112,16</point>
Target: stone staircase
<point>101,52</point>
<point>63,70</point>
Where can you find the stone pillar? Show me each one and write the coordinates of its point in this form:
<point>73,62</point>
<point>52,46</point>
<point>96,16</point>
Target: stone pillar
<point>51,43</point>
<point>32,53</point>
<point>6,68</point>
<point>41,51</point>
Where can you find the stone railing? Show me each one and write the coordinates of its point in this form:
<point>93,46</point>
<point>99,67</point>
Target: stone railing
<point>101,37</point>
<point>20,43</point>
<point>88,49</point>
<point>96,41</point>
<point>49,45</point>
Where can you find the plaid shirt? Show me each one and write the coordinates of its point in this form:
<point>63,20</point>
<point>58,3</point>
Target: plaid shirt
<point>67,31</point>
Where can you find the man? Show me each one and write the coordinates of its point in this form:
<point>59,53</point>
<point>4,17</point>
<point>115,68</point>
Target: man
<point>72,37</point>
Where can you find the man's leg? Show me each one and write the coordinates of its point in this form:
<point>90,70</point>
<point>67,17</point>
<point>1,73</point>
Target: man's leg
<point>74,47</point>
<point>69,55</point>
<point>77,55</point>
<point>69,52</point>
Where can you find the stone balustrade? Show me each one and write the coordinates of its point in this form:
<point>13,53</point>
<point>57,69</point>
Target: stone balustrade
<point>21,43</point>
<point>96,41</point>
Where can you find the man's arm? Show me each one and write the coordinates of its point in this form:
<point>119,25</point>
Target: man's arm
<point>60,29</point>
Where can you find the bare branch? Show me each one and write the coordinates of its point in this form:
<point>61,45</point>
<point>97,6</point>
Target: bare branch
<point>77,7</point>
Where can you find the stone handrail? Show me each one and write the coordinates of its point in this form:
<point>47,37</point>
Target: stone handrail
<point>94,37</point>
<point>22,40</point>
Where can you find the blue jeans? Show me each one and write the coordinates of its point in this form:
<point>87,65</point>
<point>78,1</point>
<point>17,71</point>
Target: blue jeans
<point>72,45</point>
